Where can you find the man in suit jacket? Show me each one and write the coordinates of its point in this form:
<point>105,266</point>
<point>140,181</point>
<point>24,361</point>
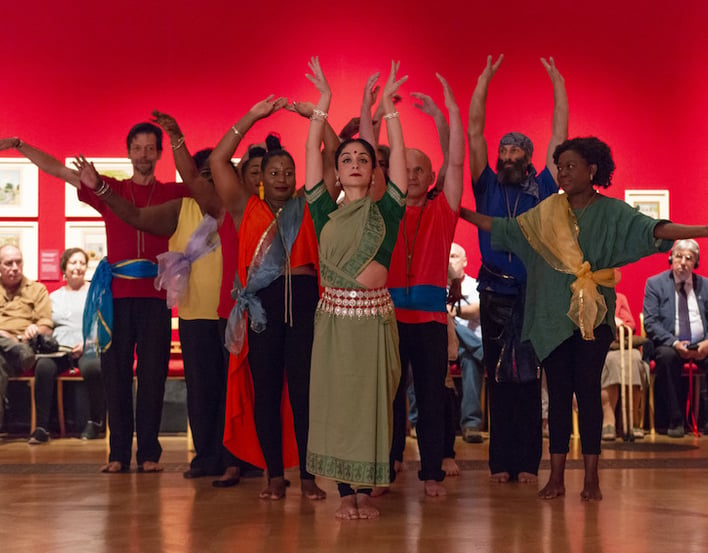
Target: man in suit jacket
<point>678,332</point>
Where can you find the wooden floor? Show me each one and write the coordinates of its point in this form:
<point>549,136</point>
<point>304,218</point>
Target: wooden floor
<point>52,500</point>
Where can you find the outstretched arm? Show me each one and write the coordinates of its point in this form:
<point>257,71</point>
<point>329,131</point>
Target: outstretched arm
<point>482,222</point>
<point>368,132</point>
<point>228,184</point>
<point>452,186</point>
<point>199,186</point>
<point>43,160</point>
<point>675,231</point>
<point>318,120</point>
<point>559,131</point>
<point>158,219</point>
<point>475,126</point>
<point>397,171</point>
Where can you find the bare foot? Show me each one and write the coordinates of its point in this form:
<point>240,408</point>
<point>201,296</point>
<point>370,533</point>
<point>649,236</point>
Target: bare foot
<point>378,491</point>
<point>500,477</point>
<point>527,478</point>
<point>433,488</point>
<point>150,466</point>
<point>347,509</point>
<point>552,490</point>
<point>114,467</point>
<point>450,467</point>
<point>311,490</point>
<point>366,507</point>
<point>274,490</point>
<point>397,466</point>
<point>591,492</point>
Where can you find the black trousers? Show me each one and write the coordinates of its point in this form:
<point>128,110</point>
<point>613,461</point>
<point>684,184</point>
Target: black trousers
<point>575,367</point>
<point>141,326</point>
<point>283,350</point>
<point>45,373</point>
<point>205,377</point>
<point>515,435</point>
<point>670,391</point>
<point>423,347</point>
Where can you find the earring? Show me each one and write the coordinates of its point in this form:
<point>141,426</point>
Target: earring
<point>373,181</point>
<point>337,183</point>
<point>261,190</point>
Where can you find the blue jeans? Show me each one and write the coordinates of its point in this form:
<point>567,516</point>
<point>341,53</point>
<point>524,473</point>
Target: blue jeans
<point>470,405</point>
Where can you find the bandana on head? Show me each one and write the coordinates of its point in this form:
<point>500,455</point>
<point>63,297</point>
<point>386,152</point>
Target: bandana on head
<point>517,139</point>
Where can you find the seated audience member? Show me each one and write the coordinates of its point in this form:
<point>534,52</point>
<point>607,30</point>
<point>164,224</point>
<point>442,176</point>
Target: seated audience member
<point>611,377</point>
<point>67,315</point>
<point>675,309</point>
<point>469,334</point>
<point>25,311</point>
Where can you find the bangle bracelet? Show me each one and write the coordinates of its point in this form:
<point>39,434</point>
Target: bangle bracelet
<point>180,143</point>
<point>236,131</point>
<point>318,114</point>
<point>102,189</point>
<point>392,115</point>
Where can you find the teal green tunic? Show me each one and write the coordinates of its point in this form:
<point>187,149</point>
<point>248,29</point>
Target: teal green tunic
<point>612,234</point>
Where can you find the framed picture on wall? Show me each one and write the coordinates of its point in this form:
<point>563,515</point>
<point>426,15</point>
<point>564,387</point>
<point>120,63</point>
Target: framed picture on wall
<point>654,203</point>
<point>19,183</point>
<point>90,236</point>
<point>114,167</point>
<point>24,236</point>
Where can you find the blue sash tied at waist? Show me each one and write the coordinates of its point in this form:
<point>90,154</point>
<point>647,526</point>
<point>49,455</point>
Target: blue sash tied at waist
<point>422,297</point>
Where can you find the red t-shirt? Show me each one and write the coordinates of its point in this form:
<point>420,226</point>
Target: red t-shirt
<point>430,246</point>
<point>125,242</point>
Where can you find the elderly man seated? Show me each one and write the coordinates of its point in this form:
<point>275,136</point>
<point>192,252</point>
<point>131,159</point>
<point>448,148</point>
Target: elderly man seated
<point>25,311</point>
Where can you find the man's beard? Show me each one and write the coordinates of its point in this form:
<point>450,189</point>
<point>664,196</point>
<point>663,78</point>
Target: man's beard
<point>514,173</point>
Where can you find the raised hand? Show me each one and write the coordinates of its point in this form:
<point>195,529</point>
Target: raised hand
<point>268,106</point>
<point>302,108</point>
<point>491,68</point>
<point>317,76</point>
<point>167,122</point>
<point>392,85</point>
<point>450,102</point>
<point>426,104</point>
<point>371,91</point>
<point>350,129</point>
<point>552,70</point>
<point>87,172</point>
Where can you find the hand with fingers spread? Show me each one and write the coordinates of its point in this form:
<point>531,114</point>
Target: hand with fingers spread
<point>168,124</point>
<point>491,68</point>
<point>317,76</point>
<point>392,85</point>
<point>87,172</point>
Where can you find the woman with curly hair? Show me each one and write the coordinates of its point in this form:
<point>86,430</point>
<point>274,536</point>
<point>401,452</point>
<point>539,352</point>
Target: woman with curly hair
<point>570,244</point>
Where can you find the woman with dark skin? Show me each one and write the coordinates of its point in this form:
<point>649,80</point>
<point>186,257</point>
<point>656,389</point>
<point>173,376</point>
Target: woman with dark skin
<point>602,234</point>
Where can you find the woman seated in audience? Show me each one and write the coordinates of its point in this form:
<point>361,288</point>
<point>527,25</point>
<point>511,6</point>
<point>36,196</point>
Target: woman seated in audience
<point>570,244</point>
<point>612,376</point>
<point>355,359</point>
<point>67,314</point>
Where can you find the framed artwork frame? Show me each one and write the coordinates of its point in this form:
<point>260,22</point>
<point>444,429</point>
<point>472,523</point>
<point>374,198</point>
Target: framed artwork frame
<point>114,167</point>
<point>19,187</point>
<point>24,235</point>
<point>654,203</point>
<point>90,236</point>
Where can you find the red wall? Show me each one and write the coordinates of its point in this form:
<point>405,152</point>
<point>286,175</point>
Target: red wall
<point>76,78</point>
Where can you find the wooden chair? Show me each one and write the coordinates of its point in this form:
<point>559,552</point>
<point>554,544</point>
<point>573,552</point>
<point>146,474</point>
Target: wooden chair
<point>28,378</point>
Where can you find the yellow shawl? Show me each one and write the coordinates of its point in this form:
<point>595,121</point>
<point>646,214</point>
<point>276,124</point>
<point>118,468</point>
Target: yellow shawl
<point>552,230</point>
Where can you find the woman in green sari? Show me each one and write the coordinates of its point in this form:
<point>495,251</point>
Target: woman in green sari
<point>355,361</point>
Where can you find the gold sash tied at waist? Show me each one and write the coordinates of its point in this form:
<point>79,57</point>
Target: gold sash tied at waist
<point>551,229</point>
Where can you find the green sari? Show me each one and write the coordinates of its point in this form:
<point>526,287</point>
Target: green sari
<point>355,361</point>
